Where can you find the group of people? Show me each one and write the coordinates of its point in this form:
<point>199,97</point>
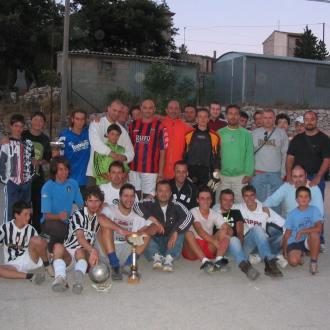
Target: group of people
<point>197,185</point>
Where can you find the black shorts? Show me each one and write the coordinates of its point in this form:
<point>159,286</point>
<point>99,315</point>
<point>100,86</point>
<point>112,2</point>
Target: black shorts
<point>297,246</point>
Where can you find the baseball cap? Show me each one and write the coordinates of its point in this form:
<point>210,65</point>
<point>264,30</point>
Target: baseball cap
<point>299,119</point>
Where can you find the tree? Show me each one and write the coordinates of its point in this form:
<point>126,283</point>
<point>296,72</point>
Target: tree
<point>30,34</point>
<point>310,47</point>
<point>140,27</point>
<point>322,52</point>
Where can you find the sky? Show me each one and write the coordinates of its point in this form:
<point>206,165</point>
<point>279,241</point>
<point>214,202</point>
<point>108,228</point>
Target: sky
<point>242,25</point>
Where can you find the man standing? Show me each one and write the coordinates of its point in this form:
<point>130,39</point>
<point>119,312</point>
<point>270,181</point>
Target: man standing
<point>42,155</point>
<point>270,148</point>
<point>174,220</point>
<point>176,130</point>
<point>202,150</point>
<point>189,115</point>
<point>311,150</point>
<point>97,137</point>
<point>237,158</point>
<point>243,119</point>
<point>183,190</point>
<point>257,118</point>
<point>216,122</point>
<point>77,147</point>
<point>148,138</point>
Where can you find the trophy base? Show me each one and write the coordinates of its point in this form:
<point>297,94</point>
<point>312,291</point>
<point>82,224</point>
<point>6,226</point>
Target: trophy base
<point>133,279</point>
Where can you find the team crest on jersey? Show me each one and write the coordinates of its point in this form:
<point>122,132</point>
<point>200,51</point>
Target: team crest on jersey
<point>68,189</point>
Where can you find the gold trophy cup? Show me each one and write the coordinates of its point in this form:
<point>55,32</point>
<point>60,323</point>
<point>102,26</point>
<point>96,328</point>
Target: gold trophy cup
<point>134,239</point>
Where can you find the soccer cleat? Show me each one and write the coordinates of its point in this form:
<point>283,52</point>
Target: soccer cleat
<point>168,264</point>
<point>313,267</point>
<point>221,265</point>
<point>254,259</point>
<point>60,284</point>
<point>271,268</point>
<point>116,274</point>
<point>281,261</point>
<point>323,249</point>
<point>78,282</point>
<point>39,276</point>
<point>158,262</point>
<point>251,273</point>
<point>207,266</point>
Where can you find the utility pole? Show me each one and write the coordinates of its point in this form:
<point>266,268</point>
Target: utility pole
<point>323,31</point>
<point>65,55</point>
<point>184,36</point>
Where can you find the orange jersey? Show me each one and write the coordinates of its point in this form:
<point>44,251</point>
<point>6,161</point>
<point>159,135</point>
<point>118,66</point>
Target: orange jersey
<point>176,131</point>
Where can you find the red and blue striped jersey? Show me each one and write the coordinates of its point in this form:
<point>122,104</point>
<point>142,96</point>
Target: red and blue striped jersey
<point>147,139</point>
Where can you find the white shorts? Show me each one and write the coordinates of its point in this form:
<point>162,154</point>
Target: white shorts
<point>145,182</point>
<point>24,263</point>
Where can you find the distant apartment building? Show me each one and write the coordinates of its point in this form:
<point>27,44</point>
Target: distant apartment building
<point>281,43</point>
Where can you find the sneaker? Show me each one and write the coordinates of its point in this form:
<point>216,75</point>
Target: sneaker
<point>221,265</point>
<point>60,284</point>
<point>168,264</point>
<point>116,274</point>
<point>313,267</point>
<point>323,249</point>
<point>39,276</point>
<point>78,282</point>
<point>158,262</point>
<point>271,268</point>
<point>251,273</point>
<point>207,266</point>
<point>281,261</point>
<point>254,259</point>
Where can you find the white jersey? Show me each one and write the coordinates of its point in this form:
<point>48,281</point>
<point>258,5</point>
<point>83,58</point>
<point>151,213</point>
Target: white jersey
<point>16,240</point>
<point>214,219</point>
<point>131,222</point>
<point>258,217</point>
<point>111,194</point>
<point>81,220</point>
<point>97,137</point>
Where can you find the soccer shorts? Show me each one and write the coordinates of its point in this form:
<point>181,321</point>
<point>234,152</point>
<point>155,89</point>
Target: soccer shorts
<point>302,246</point>
<point>24,263</point>
<point>204,247</point>
<point>145,182</point>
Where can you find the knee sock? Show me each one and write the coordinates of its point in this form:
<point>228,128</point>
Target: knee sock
<point>81,265</point>
<point>113,259</point>
<point>59,268</point>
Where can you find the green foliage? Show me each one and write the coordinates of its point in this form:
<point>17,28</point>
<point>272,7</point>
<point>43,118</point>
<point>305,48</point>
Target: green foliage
<point>49,77</point>
<point>140,27</point>
<point>163,84</point>
<point>126,97</point>
<point>310,47</point>
<point>30,34</point>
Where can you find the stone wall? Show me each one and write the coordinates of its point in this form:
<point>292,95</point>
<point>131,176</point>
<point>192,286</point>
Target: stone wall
<point>323,116</point>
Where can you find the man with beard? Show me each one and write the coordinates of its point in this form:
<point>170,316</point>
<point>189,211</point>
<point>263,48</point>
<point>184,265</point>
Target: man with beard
<point>311,150</point>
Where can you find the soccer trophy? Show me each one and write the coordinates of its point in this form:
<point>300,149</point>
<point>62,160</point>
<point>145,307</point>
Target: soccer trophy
<point>134,239</point>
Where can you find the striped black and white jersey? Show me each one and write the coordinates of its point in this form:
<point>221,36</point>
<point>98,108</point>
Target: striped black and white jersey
<point>15,240</point>
<point>81,220</point>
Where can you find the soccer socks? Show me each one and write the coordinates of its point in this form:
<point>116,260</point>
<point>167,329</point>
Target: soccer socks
<point>218,258</point>
<point>59,268</point>
<point>113,259</point>
<point>81,265</point>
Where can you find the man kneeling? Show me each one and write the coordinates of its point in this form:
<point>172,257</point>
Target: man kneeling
<point>25,253</point>
<point>200,243</point>
<point>79,245</point>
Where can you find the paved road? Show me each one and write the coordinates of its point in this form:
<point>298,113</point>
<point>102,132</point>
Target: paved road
<point>186,299</point>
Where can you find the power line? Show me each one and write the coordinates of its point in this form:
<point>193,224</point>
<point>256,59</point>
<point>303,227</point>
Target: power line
<point>191,27</point>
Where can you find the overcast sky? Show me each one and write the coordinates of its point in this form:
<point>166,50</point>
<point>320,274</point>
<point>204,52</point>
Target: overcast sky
<point>242,25</point>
